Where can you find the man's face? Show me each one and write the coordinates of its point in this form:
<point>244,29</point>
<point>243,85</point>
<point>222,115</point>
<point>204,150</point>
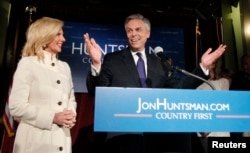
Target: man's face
<point>137,34</point>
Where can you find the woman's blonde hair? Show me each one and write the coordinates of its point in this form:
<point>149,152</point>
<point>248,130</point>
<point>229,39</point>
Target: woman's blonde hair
<point>39,34</point>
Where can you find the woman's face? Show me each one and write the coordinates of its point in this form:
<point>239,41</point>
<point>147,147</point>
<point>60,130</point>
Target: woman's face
<point>56,45</point>
<point>212,70</point>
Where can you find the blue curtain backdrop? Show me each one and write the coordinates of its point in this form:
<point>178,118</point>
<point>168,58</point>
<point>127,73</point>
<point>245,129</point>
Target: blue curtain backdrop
<point>112,38</point>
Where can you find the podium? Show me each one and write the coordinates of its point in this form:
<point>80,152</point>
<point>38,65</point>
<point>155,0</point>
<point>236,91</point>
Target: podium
<point>170,116</point>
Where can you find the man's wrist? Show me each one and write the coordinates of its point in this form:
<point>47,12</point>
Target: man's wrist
<point>95,71</point>
<point>204,69</point>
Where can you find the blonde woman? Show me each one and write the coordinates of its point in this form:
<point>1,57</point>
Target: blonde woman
<point>42,96</point>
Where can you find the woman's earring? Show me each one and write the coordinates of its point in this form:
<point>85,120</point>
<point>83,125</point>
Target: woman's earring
<point>44,46</point>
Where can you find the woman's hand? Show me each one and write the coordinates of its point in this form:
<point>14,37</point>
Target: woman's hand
<point>66,118</point>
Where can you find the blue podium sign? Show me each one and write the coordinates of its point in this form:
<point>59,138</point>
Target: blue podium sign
<point>171,110</point>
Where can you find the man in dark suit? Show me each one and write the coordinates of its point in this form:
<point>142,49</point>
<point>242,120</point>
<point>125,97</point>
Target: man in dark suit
<point>119,70</point>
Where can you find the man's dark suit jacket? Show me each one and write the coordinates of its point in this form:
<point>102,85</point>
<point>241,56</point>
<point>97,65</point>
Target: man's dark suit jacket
<point>119,70</point>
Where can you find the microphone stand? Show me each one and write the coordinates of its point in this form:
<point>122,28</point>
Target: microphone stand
<point>196,76</point>
<point>170,67</point>
<point>203,134</point>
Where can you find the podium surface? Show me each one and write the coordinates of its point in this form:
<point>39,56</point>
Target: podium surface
<point>171,110</point>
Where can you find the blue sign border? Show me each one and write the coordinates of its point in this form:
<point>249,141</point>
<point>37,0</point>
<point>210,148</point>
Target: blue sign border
<point>171,110</point>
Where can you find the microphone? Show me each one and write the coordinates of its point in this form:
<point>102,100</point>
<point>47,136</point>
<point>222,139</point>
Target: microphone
<point>159,53</point>
<point>169,69</point>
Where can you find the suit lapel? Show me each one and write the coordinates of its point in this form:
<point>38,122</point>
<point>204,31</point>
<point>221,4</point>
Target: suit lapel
<point>129,63</point>
<point>150,65</point>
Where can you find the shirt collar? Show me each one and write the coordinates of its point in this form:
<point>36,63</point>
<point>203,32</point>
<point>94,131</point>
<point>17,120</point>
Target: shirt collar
<point>142,52</point>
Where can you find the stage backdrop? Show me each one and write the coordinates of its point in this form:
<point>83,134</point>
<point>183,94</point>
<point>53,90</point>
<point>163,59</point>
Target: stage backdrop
<point>112,38</point>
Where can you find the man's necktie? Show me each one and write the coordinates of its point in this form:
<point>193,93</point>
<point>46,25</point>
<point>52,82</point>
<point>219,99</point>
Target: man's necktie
<point>141,70</point>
